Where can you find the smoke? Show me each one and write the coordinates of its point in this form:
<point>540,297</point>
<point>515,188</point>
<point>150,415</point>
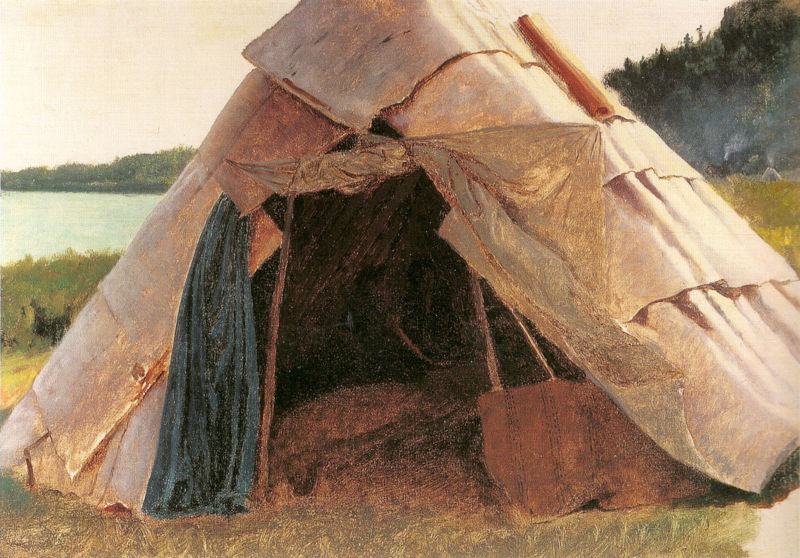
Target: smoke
<point>737,143</point>
<point>740,108</point>
<point>770,154</point>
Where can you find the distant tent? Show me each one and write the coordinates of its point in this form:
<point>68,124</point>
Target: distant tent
<point>771,175</point>
<point>576,214</point>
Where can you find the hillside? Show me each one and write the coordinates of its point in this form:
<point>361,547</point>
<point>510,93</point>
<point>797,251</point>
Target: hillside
<point>728,101</point>
<point>142,173</point>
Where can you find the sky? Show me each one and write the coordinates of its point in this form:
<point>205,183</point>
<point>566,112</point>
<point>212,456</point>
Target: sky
<point>90,80</point>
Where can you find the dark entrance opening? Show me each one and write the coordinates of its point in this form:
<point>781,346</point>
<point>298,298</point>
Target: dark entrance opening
<point>373,294</point>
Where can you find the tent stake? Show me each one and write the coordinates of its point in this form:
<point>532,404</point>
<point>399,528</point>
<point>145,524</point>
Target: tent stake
<point>533,344</point>
<point>30,482</point>
<point>483,321</point>
<point>261,485</point>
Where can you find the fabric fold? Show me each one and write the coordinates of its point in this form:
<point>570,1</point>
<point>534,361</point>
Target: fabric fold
<point>206,453</point>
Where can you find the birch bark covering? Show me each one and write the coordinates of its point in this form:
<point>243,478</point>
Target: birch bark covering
<point>600,234</point>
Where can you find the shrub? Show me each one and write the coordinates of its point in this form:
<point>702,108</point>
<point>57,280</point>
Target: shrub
<point>40,298</point>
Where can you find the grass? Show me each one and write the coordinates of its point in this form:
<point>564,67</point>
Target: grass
<point>41,297</point>
<point>18,373</point>
<point>771,209</point>
<point>386,495</point>
<point>47,524</point>
<point>39,300</point>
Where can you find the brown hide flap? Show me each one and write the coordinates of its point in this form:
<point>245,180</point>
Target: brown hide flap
<point>558,446</point>
<point>283,127</point>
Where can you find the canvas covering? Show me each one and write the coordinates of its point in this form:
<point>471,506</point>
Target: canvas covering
<point>691,340</point>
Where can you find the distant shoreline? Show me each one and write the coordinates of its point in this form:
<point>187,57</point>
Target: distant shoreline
<point>105,188</point>
<point>143,173</point>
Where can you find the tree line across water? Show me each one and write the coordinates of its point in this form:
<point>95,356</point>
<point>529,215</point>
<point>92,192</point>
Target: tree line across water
<point>141,173</point>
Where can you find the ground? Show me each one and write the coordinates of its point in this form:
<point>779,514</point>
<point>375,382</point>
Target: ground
<point>49,524</point>
<point>18,373</point>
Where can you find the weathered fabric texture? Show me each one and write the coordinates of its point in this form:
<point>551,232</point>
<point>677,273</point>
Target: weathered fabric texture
<point>209,428</point>
<point>358,57</point>
<point>643,276</point>
<point>546,176</point>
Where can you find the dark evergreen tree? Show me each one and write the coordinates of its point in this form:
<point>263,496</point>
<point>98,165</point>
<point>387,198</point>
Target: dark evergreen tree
<point>731,99</point>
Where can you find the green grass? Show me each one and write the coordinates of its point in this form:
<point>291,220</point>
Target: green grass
<point>18,373</point>
<point>390,495</point>
<point>40,297</point>
<point>772,209</point>
<point>39,300</point>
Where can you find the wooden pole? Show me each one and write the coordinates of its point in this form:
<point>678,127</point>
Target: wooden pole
<point>483,322</point>
<point>261,485</point>
<point>586,90</point>
<point>533,344</point>
<point>30,482</point>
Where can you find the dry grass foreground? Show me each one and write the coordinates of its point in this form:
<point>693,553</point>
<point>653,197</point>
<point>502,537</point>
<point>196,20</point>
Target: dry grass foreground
<point>49,525</point>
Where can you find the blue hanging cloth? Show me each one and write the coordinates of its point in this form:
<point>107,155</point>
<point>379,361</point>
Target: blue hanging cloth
<point>206,453</point>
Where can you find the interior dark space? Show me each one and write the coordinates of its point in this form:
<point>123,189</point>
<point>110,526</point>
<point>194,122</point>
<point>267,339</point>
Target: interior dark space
<point>373,294</point>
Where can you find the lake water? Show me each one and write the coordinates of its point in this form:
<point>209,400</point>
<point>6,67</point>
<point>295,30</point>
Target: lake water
<point>47,223</point>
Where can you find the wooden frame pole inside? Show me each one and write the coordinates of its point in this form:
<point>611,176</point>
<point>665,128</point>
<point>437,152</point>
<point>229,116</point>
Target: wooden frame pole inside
<point>483,322</point>
<point>261,484</point>
<point>533,344</point>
